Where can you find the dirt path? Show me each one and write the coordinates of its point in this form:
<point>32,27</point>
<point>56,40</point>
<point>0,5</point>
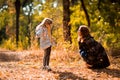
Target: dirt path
<point>29,68</point>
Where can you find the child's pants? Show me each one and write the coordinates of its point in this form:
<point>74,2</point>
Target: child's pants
<point>46,57</point>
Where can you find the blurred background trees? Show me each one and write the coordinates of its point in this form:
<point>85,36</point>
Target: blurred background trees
<point>18,19</point>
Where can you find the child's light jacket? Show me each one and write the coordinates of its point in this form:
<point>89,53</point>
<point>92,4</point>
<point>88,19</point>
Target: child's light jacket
<point>42,33</point>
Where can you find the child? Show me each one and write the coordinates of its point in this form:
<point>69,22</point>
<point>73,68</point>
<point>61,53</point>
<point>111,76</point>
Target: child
<point>90,50</point>
<point>43,31</point>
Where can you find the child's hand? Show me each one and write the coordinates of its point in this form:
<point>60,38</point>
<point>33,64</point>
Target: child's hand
<point>36,37</point>
<point>81,40</point>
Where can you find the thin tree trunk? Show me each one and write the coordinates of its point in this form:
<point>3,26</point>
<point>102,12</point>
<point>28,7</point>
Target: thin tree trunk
<point>17,7</point>
<point>86,13</point>
<point>29,28</point>
<point>66,20</point>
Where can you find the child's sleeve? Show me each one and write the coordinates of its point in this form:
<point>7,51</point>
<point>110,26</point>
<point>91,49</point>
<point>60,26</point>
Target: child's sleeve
<point>39,32</point>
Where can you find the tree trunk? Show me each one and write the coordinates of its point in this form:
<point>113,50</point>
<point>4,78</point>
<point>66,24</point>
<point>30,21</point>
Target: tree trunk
<point>17,7</point>
<point>66,20</point>
<point>29,26</point>
<point>86,13</point>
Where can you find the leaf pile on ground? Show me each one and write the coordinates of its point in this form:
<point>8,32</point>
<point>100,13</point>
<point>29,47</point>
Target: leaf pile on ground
<point>65,66</point>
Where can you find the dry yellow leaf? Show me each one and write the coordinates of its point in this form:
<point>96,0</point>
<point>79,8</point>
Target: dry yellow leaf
<point>35,67</point>
<point>20,62</point>
<point>1,74</point>
<point>7,74</point>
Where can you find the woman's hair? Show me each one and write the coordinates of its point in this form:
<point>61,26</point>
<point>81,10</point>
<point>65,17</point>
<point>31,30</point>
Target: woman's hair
<point>45,21</point>
<point>84,31</point>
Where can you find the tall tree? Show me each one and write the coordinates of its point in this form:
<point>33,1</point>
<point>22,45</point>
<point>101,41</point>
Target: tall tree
<point>29,24</point>
<point>28,6</point>
<point>66,20</point>
<point>17,7</point>
<point>86,13</point>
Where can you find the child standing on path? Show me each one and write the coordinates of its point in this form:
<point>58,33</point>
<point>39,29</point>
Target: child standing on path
<point>43,31</point>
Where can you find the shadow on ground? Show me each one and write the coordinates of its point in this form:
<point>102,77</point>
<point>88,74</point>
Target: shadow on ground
<point>9,56</point>
<point>67,75</point>
<point>112,72</point>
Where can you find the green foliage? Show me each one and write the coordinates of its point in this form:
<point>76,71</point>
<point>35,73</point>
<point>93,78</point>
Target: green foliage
<point>9,44</point>
<point>4,16</point>
<point>110,11</point>
<point>105,22</point>
<point>77,19</point>
<point>104,17</point>
<point>113,40</point>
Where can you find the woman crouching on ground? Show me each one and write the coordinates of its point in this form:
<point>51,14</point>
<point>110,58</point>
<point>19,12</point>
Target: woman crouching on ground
<point>92,52</point>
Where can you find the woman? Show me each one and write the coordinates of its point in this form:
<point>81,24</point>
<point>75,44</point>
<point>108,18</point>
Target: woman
<point>91,51</point>
<point>43,31</point>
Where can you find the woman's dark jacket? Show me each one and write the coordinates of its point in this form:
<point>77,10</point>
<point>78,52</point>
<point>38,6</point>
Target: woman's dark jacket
<point>93,53</point>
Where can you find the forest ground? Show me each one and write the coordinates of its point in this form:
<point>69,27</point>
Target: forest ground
<point>26,65</point>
